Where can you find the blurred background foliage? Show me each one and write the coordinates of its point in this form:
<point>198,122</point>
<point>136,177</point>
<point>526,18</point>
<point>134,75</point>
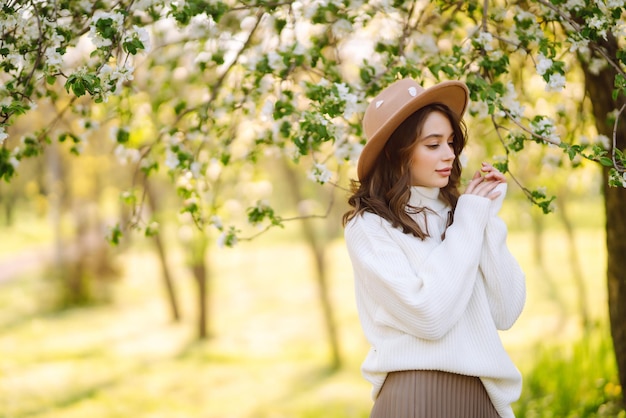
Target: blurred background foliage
<point>93,330</point>
<point>88,329</point>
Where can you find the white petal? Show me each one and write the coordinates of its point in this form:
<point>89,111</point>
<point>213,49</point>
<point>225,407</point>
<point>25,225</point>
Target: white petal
<point>413,91</point>
<point>378,103</point>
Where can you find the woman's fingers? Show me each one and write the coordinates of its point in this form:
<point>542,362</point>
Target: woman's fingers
<point>485,188</point>
<point>492,173</point>
<point>476,180</point>
<point>483,185</point>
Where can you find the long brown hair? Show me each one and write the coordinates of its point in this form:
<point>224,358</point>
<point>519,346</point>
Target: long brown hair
<point>386,189</point>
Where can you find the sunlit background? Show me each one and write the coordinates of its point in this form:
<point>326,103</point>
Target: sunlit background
<point>87,328</point>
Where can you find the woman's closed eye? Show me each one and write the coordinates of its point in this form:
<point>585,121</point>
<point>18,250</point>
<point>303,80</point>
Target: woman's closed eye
<point>437,145</point>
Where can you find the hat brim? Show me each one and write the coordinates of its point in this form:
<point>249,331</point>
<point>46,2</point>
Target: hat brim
<point>453,94</point>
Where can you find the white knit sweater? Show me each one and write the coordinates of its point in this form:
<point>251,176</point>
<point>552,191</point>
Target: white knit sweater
<point>438,305</point>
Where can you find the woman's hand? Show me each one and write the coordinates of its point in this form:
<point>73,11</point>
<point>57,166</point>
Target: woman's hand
<point>483,185</point>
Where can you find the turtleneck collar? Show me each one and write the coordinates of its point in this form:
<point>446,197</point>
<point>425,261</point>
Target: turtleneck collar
<point>426,197</point>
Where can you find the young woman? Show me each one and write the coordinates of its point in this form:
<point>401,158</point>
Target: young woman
<point>433,276</point>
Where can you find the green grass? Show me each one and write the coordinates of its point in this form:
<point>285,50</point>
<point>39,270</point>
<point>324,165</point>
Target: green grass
<point>573,380</point>
<point>269,357</point>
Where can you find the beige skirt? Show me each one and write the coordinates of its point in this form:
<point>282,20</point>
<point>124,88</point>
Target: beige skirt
<point>432,394</point>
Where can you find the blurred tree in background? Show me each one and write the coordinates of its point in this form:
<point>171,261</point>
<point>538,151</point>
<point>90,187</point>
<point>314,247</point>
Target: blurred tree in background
<point>211,94</point>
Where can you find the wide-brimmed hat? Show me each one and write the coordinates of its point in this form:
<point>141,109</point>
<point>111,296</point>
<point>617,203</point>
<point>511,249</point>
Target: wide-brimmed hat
<point>396,103</point>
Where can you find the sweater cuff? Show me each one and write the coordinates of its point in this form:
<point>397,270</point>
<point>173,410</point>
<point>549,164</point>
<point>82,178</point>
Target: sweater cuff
<point>476,209</point>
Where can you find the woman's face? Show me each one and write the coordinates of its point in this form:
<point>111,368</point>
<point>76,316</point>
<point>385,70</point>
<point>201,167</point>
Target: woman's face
<point>433,155</point>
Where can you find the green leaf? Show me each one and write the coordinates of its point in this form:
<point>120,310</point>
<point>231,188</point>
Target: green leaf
<point>180,106</point>
<point>605,161</point>
<point>115,234</point>
<point>122,136</point>
<point>7,170</point>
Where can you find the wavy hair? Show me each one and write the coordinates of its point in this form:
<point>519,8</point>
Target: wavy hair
<point>386,189</point>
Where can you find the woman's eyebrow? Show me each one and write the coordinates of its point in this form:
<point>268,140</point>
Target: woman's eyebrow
<point>437,136</point>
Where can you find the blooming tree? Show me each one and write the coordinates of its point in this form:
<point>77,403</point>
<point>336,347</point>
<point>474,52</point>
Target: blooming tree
<point>205,90</point>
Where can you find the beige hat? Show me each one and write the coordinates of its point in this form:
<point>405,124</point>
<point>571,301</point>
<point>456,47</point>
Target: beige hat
<point>396,103</point>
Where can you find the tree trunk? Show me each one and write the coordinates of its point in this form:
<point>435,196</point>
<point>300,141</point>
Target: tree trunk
<point>201,273</point>
<point>165,269</point>
<point>599,87</point>
<point>317,247</point>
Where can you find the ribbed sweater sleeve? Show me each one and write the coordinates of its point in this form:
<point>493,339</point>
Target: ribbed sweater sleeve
<point>427,300</point>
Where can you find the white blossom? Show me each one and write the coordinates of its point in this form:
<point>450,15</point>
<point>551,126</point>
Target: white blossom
<point>53,58</point>
<point>499,158</point>
<point>350,100</point>
<point>202,26</point>
<point>214,169</point>
<point>171,159</point>
<point>299,49</point>
<point>320,173</point>
<point>117,21</point>
<point>275,61</point>
<point>221,240</point>
<point>141,34</point>
<point>347,151</point>
<point>583,140</point>
<point>522,15</point>
<point>484,39</point>
<point>267,110</point>
<point>579,45</point>
<point>341,28</point>
<point>509,100</point>
<point>604,141</point>
<point>311,9</point>
<point>479,108</point>
<point>185,181</point>
<point>597,24</point>
<point>216,221</point>
<point>546,129</point>
<point>574,4</point>
<point>115,77</point>
<point>614,4</point>
<point>556,83</point>
<point>543,64</point>
<point>248,23</point>
<point>3,135</point>
<point>86,5</point>
<point>113,133</point>
<point>126,155</point>
<point>596,65</point>
<point>14,162</point>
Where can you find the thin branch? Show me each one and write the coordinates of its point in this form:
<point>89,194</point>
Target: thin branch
<point>617,164</point>
<point>506,150</point>
<point>331,203</point>
<point>220,81</point>
<point>525,129</point>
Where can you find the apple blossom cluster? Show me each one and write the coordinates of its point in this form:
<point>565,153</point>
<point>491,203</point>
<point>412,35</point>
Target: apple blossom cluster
<point>43,44</point>
<point>206,90</point>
